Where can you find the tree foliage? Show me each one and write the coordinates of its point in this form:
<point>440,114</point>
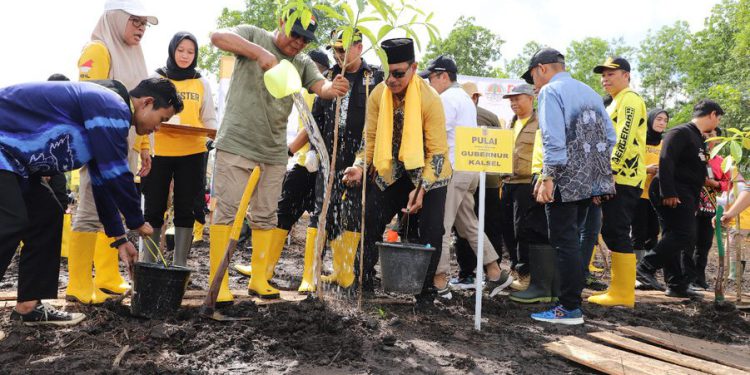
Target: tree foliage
<point>583,55</point>
<point>662,62</point>
<point>263,14</point>
<point>518,65</point>
<point>474,48</point>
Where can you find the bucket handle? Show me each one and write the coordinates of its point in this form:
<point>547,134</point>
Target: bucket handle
<point>405,218</point>
<point>158,255</point>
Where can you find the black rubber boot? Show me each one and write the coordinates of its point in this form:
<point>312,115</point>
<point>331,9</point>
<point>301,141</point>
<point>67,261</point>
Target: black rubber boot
<point>543,266</point>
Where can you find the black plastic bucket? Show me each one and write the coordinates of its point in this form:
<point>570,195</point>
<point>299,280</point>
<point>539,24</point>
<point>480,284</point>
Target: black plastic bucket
<point>158,290</point>
<point>404,266</point>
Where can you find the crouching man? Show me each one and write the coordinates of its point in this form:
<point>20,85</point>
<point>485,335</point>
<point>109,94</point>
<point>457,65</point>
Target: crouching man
<point>54,127</point>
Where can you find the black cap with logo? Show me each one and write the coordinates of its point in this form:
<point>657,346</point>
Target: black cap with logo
<point>307,33</point>
<point>441,63</point>
<point>613,63</point>
<point>541,57</point>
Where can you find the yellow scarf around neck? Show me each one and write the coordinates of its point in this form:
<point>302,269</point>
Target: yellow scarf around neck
<point>411,152</point>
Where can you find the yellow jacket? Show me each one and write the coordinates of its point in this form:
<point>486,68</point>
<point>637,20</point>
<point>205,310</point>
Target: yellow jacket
<point>437,169</point>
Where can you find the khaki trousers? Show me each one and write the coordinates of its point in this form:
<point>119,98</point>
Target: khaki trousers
<point>231,173</point>
<point>459,212</point>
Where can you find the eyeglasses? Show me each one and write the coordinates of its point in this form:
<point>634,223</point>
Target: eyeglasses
<point>433,75</point>
<point>139,22</point>
<point>296,35</point>
<point>398,73</point>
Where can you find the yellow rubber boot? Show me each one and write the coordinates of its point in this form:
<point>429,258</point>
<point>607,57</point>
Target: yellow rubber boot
<point>107,267</point>
<point>622,286</point>
<point>277,245</point>
<point>337,248</point>
<point>261,256</point>
<point>349,250</point>
<point>80,260</point>
<point>592,267</point>
<point>308,284</point>
<point>67,228</point>
<point>218,239</point>
<point>197,232</point>
<point>244,269</point>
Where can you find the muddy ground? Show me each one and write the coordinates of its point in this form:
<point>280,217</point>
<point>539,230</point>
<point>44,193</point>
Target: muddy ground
<point>312,337</point>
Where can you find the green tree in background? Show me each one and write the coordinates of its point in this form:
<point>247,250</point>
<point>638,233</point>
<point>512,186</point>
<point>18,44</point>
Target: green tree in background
<point>263,14</point>
<point>582,56</point>
<point>473,47</point>
<point>517,67</point>
<point>662,62</point>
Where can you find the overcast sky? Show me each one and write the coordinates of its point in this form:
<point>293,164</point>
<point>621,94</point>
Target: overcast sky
<point>41,37</point>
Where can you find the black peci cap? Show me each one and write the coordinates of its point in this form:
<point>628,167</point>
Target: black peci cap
<point>398,50</point>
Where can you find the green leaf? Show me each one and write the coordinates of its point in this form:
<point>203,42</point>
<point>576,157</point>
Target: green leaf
<point>380,8</point>
<point>429,17</point>
<point>288,25</point>
<point>368,19</point>
<point>412,7</point>
<point>727,164</point>
<point>368,34</point>
<point>715,151</point>
<point>330,12</point>
<point>349,12</point>
<point>384,30</point>
<point>383,60</point>
<point>306,18</point>
<point>736,150</point>
<point>713,139</point>
<point>746,143</point>
<point>346,38</point>
<point>361,5</point>
<point>735,131</point>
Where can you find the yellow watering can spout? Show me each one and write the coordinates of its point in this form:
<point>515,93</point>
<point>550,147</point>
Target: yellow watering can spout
<point>282,80</point>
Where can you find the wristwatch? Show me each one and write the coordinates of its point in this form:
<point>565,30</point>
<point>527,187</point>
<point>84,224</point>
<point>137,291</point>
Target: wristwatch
<point>289,152</point>
<point>118,242</point>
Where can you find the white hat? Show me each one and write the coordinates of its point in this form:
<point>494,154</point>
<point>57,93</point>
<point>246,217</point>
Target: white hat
<point>132,7</point>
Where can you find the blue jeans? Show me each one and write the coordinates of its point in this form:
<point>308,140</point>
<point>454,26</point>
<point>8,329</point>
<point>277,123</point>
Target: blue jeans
<point>565,222</point>
<point>589,235</point>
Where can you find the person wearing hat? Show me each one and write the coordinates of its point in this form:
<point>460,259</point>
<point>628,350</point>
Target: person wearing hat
<point>465,257</point>
<point>114,53</point>
<point>405,159</point>
<point>577,136</point>
<point>54,127</point>
<point>298,190</point>
<point>253,134</point>
<point>516,194</point>
<point>459,200</point>
<point>628,114</point>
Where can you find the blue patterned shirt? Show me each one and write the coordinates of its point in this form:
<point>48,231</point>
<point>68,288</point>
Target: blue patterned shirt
<point>53,127</point>
<point>578,137</point>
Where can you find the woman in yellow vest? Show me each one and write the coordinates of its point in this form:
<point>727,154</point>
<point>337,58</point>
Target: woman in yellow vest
<point>114,52</point>
<point>180,157</point>
<point>645,230</point>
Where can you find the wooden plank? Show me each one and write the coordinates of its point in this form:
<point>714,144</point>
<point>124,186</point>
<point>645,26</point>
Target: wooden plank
<point>719,353</point>
<point>708,367</point>
<point>610,360</point>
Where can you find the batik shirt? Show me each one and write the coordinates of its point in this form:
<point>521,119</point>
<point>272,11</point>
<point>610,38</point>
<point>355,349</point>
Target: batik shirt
<point>578,138</point>
<point>53,127</point>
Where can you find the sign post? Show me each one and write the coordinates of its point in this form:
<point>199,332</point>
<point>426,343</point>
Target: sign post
<point>485,151</point>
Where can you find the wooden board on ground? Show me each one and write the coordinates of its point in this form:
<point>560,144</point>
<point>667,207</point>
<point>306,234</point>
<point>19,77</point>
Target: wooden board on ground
<point>708,367</point>
<point>187,130</point>
<point>720,353</point>
<point>610,360</point>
